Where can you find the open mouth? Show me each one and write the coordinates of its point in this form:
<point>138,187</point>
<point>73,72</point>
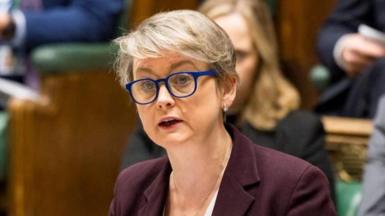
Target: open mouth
<point>169,123</point>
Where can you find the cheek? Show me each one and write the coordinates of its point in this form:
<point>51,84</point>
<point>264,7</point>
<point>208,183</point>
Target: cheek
<point>206,101</point>
<point>145,116</point>
<point>246,70</point>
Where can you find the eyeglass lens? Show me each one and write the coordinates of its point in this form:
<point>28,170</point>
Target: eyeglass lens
<point>179,85</point>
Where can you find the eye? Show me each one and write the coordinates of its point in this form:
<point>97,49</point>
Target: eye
<point>147,85</point>
<point>181,79</point>
<point>240,55</point>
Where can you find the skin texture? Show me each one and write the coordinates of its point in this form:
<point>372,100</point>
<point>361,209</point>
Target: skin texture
<point>359,52</point>
<point>185,109</point>
<point>247,57</point>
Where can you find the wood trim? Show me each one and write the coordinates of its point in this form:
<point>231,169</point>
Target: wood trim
<point>65,152</point>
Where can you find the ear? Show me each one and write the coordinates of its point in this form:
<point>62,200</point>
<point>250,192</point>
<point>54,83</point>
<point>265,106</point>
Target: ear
<point>229,91</point>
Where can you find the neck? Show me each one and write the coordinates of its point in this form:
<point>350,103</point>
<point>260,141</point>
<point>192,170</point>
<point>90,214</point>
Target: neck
<point>191,162</point>
<point>198,168</point>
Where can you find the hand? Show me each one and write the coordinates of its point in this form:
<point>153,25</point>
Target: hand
<point>359,52</point>
<point>5,19</point>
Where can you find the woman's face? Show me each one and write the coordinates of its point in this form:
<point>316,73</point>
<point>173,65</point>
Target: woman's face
<point>169,120</point>
<point>247,57</point>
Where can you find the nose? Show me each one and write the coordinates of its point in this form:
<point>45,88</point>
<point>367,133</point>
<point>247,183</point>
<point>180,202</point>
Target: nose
<point>165,99</point>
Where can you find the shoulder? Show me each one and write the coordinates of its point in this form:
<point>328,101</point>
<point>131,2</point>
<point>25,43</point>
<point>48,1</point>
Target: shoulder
<point>292,185</point>
<point>133,182</point>
<point>300,126</point>
<point>139,173</point>
<point>301,118</point>
<point>267,159</point>
<point>286,165</point>
<point>135,179</point>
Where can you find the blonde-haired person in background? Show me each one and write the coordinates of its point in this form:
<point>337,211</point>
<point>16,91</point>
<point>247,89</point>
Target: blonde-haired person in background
<point>179,69</point>
<point>267,105</point>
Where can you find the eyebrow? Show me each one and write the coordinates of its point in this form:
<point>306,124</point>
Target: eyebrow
<point>144,69</point>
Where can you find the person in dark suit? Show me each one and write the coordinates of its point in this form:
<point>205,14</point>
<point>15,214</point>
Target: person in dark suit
<point>54,21</point>
<point>373,189</point>
<point>27,24</point>
<point>266,106</point>
<point>356,62</point>
<point>31,23</point>
<point>179,68</point>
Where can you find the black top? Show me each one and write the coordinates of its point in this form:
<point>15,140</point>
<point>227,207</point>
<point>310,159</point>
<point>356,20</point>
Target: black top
<point>300,134</point>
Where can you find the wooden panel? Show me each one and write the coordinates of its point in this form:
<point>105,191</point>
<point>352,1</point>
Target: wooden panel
<point>347,126</point>
<point>347,141</point>
<point>145,8</point>
<point>65,151</point>
<point>298,22</point>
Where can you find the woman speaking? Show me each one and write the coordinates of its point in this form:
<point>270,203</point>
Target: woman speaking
<point>179,68</point>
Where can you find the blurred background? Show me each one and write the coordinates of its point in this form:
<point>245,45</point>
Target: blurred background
<point>60,152</point>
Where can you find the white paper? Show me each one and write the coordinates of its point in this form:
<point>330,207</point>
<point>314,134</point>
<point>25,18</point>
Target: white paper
<point>372,34</point>
<point>14,89</point>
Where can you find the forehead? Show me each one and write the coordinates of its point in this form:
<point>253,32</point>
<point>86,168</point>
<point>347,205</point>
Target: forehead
<point>237,28</point>
<point>168,62</point>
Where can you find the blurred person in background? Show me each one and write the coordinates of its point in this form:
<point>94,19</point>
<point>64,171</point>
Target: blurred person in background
<point>356,62</point>
<point>266,106</point>
<point>373,190</point>
<point>27,24</point>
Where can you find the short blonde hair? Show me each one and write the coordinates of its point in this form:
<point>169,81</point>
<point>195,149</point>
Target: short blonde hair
<point>186,32</point>
<point>272,96</point>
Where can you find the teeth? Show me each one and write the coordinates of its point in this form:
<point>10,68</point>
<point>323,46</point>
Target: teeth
<point>168,120</point>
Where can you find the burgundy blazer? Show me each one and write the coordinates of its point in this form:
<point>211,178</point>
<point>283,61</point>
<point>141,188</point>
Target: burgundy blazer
<point>257,181</point>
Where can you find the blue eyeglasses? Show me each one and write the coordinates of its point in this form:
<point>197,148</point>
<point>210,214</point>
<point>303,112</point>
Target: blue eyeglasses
<point>179,85</point>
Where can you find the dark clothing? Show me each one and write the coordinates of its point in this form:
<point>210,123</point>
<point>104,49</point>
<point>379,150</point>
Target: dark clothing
<point>300,134</point>
<point>342,97</point>
<point>257,181</point>
<point>72,21</point>
<point>61,21</point>
<point>373,187</point>
<point>357,97</point>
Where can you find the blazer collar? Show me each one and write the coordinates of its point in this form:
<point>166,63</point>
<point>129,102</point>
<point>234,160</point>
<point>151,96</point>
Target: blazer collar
<point>233,197</point>
<point>156,194</point>
<point>240,175</point>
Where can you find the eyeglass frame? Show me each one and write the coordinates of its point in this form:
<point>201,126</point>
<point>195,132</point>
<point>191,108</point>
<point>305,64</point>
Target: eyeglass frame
<point>194,74</point>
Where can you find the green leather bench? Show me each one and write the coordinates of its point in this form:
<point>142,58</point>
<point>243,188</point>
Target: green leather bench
<point>3,144</point>
<point>348,197</point>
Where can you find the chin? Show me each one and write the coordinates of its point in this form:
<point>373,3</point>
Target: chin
<point>171,139</point>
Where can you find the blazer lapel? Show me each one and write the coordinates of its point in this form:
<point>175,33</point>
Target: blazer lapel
<point>241,175</point>
<point>156,193</point>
